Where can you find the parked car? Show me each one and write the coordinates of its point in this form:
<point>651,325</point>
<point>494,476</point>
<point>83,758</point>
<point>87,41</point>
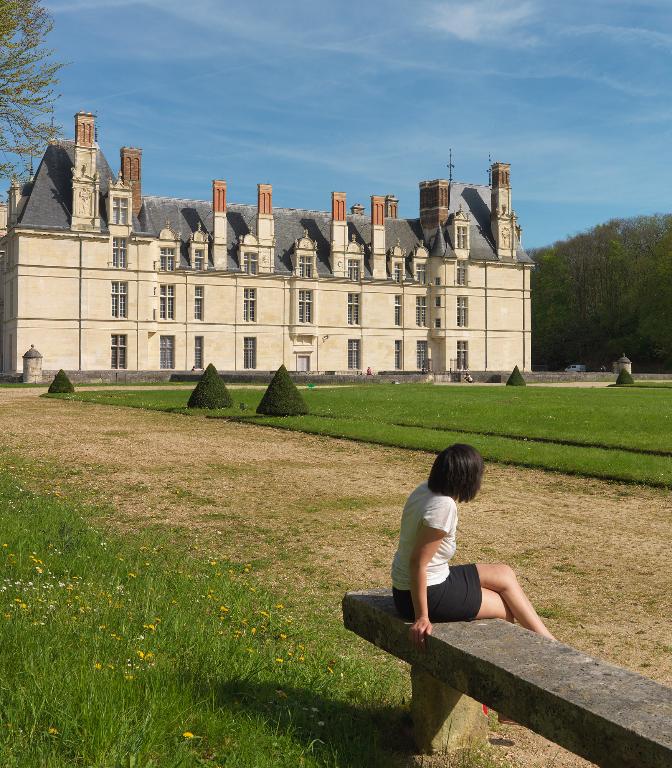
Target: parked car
<point>575,368</point>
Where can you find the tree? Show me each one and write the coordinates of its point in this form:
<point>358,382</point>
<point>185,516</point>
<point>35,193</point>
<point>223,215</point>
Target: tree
<point>210,392</point>
<point>624,378</point>
<point>61,384</point>
<point>27,80</point>
<point>515,379</point>
<point>282,398</point>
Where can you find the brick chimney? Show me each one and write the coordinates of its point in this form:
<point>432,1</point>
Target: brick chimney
<point>434,201</point>
<point>85,179</point>
<point>131,174</point>
<point>219,229</point>
<point>391,205</point>
<point>339,234</point>
<point>85,129</point>
<point>378,257</point>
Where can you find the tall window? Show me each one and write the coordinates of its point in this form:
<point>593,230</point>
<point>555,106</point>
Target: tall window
<point>421,273</point>
<point>199,299</point>
<point>305,306</point>
<point>353,309</point>
<point>167,259</point>
<point>119,299</point>
<point>250,263</point>
<point>396,273</point>
<point>397,355</point>
<point>250,305</point>
<point>461,273</point>
<point>421,310</point>
<point>167,303</point>
<point>119,252</point>
<point>198,352</point>
<point>421,357</point>
<point>397,310</point>
<point>167,352</point>
<point>437,281</point>
<point>120,210</point>
<point>461,237</point>
<point>305,266</point>
<point>353,269</point>
<point>199,259</point>
<point>118,351</point>
<point>462,312</point>
<point>437,301</point>
<point>462,356</point>
<point>249,352</point>
<point>437,322</point>
<point>353,354</point>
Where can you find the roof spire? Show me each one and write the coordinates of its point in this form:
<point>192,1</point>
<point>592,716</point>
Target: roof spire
<point>439,244</point>
<point>489,170</point>
<point>450,164</point>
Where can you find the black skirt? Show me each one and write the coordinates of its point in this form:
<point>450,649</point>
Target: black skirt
<point>458,598</point>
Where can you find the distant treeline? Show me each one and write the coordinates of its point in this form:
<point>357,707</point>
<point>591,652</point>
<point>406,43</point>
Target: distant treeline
<point>605,292</point>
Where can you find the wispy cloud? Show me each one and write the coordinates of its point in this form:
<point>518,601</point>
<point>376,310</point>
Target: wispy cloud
<point>637,35</point>
<point>491,21</point>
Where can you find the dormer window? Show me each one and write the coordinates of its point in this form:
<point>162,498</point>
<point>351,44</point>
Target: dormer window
<point>305,266</point>
<point>120,210</point>
<point>461,236</point>
<point>250,263</point>
<point>353,270</point>
<point>199,259</point>
<point>397,273</point>
<point>167,260</point>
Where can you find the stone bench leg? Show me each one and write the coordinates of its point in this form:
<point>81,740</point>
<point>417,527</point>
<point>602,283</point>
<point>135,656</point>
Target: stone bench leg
<point>443,719</point>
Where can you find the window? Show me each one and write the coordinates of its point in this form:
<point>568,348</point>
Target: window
<point>353,309</point>
<point>421,310</point>
<point>421,358</point>
<point>437,281</point>
<point>120,210</point>
<point>353,269</point>
<point>397,355</point>
<point>198,352</point>
<point>437,322</point>
<point>461,274</point>
<point>421,273</point>
<point>167,304</point>
<point>305,306</point>
<point>249,352</point>
<point>397,310</point>
<point>119,299</point>
<point>462,313</point>
<point>305,266</point>
<point>167,259</point>
<point>462,356</point>
<point>250,305</point>
<point>250,263</point>
<point>167,352</point>
<point>118,351</point>
<point>437,301</point>
<point>461,237</point>
<point>396,273</point>
<point>353,354</point>
<point>119,252</point>
<point>199,298</point>
<point>199,259</point>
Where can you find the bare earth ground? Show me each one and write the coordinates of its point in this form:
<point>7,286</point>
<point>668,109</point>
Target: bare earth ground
<point>319,516</point>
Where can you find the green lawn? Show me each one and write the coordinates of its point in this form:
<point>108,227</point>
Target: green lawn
<point>135,652</point>
<point>613,433</point>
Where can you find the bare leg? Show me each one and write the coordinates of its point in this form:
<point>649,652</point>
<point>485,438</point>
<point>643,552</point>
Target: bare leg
<point>502,580</point>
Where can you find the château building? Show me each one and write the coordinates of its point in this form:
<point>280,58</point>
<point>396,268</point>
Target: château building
<point>97,275</point>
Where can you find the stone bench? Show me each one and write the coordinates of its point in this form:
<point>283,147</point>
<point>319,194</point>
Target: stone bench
<point>599,711</point>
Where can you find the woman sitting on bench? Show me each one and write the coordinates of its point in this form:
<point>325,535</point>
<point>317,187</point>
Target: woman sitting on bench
<point>425,587</point>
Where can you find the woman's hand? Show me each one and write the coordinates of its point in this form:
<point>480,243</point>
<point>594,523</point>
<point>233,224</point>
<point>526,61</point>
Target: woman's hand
<point>419,631</point>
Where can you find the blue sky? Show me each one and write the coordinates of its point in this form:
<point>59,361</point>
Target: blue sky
<point>368,97</point>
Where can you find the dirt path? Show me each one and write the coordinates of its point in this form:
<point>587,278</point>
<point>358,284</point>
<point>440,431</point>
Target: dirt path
<point>324,513</point>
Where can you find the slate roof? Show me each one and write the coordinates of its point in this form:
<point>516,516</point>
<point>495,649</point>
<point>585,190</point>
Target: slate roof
<point>49,206</point>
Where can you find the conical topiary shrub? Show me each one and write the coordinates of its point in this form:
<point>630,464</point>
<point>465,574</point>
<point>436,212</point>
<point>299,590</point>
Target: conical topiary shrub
<point>210,392</point>
<point>624,378</point>
<point>282,398</point>
<point>515,379</point>
<point>61,384</point>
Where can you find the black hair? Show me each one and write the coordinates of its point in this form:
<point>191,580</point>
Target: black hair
<point>457,472</point>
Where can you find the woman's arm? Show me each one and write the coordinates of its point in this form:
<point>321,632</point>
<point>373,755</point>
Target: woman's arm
<point>425,548</point>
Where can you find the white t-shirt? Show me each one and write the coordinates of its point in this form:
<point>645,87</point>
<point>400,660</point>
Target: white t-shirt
<point>435,511</point>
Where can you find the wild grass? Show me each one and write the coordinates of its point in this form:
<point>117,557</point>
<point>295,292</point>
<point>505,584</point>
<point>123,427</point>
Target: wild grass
<point>133,652</point>
<point>615,434</point>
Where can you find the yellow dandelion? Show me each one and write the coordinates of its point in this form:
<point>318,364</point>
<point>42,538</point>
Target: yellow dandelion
<point>128,677</point>
<point>280,606</point>
<point>141,654</point>
<point>132,575</point>
<point>279,661</point>
<point>282,636</point>
<point>223,609</point>
<point>52,731</point>
<point>97,665</point>
<point>253,630</point>
<point>330,670</point>
<point>302,658</point>
<point>188,735</point>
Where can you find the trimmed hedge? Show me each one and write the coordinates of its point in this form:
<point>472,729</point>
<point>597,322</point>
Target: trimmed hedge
<point>61,384</point>
<point>624,378</point>
<point>282,398</point>
<point>210,392</point>
<point>516,379</point>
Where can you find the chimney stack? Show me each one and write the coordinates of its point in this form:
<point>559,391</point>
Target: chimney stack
<point>434,202</point>
<point>85,129</point>
<point>391,205</point>
<point>219,227</point>
<point>339,234</point>
<point>131,174</point>
<point>378,256</point>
